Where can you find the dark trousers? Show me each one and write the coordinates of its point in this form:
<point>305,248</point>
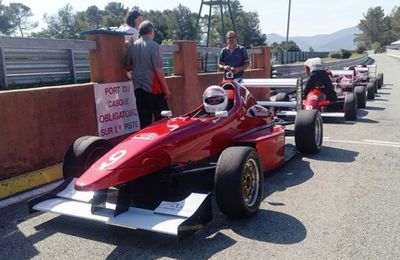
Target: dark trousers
<point>149,105</point>
<point>320,78</point>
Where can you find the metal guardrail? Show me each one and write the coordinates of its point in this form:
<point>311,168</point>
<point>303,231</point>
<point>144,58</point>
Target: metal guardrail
<point>297,70</point>
<point>39,61</point>
<point>294,56</point>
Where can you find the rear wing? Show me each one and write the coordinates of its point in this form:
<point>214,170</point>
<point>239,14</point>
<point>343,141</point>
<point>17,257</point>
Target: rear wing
<point>336,73</point>
<point>370,69</point>
<point>296,84</point>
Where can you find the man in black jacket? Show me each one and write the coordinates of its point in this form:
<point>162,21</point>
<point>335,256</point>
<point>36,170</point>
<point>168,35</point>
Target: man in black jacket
<point>318,77</point>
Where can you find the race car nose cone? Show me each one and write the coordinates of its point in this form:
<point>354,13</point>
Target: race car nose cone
<point>93,180</point>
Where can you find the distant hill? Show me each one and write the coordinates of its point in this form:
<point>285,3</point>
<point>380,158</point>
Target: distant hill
<point>342,39</point>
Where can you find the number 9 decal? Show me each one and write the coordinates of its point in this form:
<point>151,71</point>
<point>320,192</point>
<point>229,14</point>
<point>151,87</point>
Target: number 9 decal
<point>112,159</point>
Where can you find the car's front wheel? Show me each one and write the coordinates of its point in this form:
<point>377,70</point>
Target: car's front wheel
<point>361,96</point>
<point>308,131</point>
<point>350,107</point>
<point>82,153</point>
<point>239,182</point>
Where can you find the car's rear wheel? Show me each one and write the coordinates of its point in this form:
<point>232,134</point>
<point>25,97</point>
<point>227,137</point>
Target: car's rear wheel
<point>239,182</point>
<point>308,131</point>
<point>82,154</point>
<point>350,107</point>
<point>371,89</point>
<point>361,96</point>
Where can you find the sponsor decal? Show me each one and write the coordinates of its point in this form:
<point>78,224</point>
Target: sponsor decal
<point>145,136</point>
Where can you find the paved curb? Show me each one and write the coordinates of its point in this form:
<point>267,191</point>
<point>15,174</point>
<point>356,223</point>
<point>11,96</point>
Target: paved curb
<point>30,180</point>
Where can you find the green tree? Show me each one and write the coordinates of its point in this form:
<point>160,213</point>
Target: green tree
<point>114,14</point>
<point>181,23</point>
<point>161,26</point>
<point>395,22</point>
<point>281,47</point>
<point>373,27</point>
<point>6,26</point>
<point>276,47</point>
<point>90,19</point>
<point>21,14</point>
<point>61,25</point>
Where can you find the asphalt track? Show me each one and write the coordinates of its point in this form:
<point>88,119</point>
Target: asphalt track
<point>343,203</point>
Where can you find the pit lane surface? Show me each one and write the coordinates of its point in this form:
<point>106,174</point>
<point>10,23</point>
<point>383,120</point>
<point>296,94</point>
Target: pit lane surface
<point>343,203</point>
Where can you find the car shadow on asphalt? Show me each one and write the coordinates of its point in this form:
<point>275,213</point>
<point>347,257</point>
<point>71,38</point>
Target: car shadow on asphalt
<point>375,108</point>
<point>266,226</point>
<point>361,114</point>
<point>334,154</point>
<point>293,173</point>
<point>13,243</point>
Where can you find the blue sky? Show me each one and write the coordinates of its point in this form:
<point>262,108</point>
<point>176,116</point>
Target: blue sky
<point>308,17</point>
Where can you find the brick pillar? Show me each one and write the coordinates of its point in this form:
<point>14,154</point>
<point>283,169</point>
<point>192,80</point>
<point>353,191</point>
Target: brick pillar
<point>107,60</point>
<point>262,61</point>
<point>186,65</point>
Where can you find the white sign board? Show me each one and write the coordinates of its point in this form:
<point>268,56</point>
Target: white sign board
<point>116,109</point>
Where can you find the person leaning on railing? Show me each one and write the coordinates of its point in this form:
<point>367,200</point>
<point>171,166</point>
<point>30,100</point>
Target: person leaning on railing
<point>131,26</point>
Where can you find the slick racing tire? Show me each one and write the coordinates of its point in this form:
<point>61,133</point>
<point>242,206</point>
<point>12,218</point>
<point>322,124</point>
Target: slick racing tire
<point>361,94</point>
<point>82,153</point>
<point>371,90</point>
<point>239,182</point>
<point>350,107</point>
<point>380,80</point>
<point>308,131</point>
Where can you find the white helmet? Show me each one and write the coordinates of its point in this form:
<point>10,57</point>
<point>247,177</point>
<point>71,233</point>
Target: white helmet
<point>215,99</point>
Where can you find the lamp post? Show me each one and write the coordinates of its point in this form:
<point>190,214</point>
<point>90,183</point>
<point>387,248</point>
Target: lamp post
<point>287,33</point>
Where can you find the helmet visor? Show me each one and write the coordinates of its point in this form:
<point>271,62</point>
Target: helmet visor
<point>215,100</point>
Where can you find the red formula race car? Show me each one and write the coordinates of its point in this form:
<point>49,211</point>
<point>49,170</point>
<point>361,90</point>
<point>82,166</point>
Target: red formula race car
<point>160,178</point>
<point>367,75</point>
<point>345,106</point>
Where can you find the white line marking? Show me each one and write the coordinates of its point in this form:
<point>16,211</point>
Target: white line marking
<point>363,142</point>
<point>382,142</point>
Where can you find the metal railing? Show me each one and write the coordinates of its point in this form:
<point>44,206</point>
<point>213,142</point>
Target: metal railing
<point>297,70</point>
<point>295,56</point>
<point>36,61</point>
<point>39,61</point>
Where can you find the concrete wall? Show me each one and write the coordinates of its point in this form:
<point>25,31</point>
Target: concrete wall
<point>38,125</point>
